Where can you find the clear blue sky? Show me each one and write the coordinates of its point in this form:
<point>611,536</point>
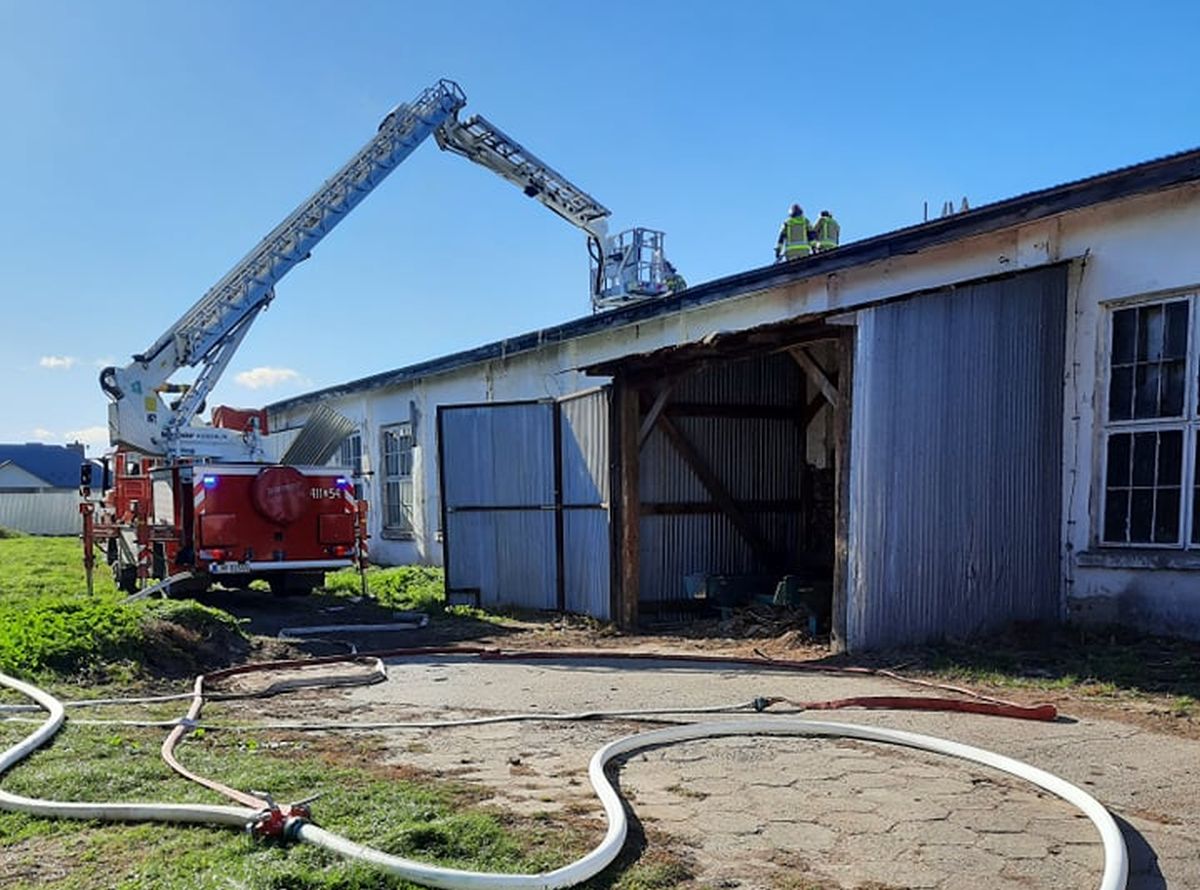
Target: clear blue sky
<point>147,145</point>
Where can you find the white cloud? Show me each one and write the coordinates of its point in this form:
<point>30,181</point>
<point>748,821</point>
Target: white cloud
<point>104,362</point>
<point>94,437</point>
<point>40,432</point>
<point>58,362</point>
<point>265,378</point>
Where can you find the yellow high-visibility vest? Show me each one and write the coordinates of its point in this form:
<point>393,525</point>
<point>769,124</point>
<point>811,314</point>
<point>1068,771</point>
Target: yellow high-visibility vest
<point>795,237</point>
<point>828,232</point>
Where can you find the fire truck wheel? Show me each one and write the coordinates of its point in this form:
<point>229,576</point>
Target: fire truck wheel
<point>159,563</point>
<point>126,578</point>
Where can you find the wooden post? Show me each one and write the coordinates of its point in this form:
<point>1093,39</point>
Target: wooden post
<point>841,547</point>
<point>629,503</point>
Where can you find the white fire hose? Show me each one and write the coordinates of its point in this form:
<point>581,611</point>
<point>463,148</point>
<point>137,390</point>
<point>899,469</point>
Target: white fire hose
<point>1116,860</point>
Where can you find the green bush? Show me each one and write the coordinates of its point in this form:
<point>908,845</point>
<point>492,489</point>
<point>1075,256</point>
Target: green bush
<point>48,623</point>
<point>67,635</point>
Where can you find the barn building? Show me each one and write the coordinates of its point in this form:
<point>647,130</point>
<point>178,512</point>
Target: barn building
<point>988,417</point>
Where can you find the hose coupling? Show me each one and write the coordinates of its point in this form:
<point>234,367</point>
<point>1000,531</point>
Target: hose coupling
<point>279,822</point>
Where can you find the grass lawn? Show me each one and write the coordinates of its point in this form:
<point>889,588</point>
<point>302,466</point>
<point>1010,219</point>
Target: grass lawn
<point>53,633</point>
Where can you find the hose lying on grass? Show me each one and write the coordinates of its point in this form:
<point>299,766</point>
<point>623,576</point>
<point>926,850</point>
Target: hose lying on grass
<point>294,822</point>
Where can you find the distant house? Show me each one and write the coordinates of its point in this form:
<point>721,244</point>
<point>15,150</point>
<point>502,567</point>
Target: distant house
<point>39,488</point>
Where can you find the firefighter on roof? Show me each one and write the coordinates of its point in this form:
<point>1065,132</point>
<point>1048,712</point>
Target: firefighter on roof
<point>793,241</point>
<point>674,281</point>
<point>826,232</point>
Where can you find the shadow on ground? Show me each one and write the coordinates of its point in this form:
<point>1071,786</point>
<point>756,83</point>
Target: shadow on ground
<point>1049,656</point>
<point>266,614</point>
<point>1144,873</point>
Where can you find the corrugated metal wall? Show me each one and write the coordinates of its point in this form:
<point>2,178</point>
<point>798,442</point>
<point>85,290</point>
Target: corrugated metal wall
<point>501,508</point>
<point>41,513</point>
<point>587,533</point>
<point>955,462</point>
<point>497,466</point>
<point>756,459</point>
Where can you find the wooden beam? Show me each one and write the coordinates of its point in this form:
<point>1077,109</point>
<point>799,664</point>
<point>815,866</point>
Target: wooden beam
<point>841,523</point>
<point>720,494</point>
<point>656,409</point>
<point>815,373</point>
<point>628,503</point>
<point>812,410</point>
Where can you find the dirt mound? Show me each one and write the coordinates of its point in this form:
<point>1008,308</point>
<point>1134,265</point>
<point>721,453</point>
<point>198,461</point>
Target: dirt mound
<point>188,643</point>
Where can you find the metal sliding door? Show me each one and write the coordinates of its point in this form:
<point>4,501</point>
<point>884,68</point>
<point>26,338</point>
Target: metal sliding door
<point>525,502</point>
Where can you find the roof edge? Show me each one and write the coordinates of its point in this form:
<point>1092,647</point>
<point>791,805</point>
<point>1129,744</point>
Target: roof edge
<point>1159,174</point>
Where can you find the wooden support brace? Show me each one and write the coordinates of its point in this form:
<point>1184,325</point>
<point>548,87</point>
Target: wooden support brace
<point>720,494</point>
<point>815,373</point>
<point>651,417</point>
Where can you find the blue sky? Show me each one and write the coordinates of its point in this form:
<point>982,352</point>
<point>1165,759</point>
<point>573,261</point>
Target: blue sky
<point>148,145</point>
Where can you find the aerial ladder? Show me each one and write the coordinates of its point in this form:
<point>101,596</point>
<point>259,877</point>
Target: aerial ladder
<point>151,415</point>
<point>154,418</point>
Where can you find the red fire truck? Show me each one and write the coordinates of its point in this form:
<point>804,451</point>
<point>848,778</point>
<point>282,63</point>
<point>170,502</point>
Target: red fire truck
<point>187,525</point>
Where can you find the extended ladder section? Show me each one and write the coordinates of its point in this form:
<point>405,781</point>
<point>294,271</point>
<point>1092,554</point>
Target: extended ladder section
<point>210,331</point>
<point>484,143</point>
<point>250,282</point>
<point>625,267</point>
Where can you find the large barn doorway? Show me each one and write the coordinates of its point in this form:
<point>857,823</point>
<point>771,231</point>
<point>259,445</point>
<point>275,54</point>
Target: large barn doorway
<point>730,476</point>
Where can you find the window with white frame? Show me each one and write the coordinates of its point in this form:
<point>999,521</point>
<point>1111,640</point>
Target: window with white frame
<point>397,454</point>
<point>350,455</point>
<point>1151,483</point>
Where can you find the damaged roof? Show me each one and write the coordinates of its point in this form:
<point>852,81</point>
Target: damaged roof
<point>1125,182</point>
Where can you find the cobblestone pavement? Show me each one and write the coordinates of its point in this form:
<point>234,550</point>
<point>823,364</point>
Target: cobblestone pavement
<point>802,812</point>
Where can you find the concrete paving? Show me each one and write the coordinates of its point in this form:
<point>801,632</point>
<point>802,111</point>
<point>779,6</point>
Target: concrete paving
<point>800,812</point>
